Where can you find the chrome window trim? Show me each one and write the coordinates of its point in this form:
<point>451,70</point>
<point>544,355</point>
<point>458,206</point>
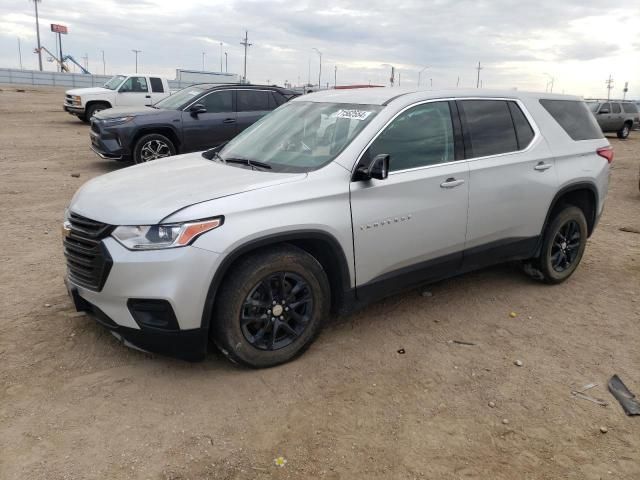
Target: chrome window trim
<point>226,90</point>
<point>523,108</point>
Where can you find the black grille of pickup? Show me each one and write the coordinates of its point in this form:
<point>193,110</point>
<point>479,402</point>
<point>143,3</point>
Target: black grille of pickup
<point>88,261</point>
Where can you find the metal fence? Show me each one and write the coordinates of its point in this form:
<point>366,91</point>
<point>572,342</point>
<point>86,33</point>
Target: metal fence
<point>57,79</point>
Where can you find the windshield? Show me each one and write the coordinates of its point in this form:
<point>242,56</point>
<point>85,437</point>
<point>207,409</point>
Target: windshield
<point>114,82</point>
<point>300,136</point>
<point>179,99</point>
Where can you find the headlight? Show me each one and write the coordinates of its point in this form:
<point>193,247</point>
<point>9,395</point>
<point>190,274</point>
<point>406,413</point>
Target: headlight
<point>77,100</point>
<point>153,237</point>
<point>117,120</point>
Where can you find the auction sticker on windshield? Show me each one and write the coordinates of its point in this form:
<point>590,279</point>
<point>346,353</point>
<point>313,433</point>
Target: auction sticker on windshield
<point>352,114</point>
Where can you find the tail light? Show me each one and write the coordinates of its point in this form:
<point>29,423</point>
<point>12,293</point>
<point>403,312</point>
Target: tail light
<point>606,152</point>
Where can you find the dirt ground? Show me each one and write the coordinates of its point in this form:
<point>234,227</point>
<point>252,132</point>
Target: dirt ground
<point>76,404</point>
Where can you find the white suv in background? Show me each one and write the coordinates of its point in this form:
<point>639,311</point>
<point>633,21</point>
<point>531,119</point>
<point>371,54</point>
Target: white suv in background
<point>334,199</point>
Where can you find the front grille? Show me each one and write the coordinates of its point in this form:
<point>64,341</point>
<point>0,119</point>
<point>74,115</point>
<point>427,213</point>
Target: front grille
<point>88,261</point>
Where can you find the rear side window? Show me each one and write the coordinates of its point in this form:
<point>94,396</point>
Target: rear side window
<point>156,85</point>
<point>252,100</point>
<point>524,132</point>
<point>279,98</point>
<point>629,108</point>
<point>574,117</point>
<point>489,127</point>
<point>616,108</point>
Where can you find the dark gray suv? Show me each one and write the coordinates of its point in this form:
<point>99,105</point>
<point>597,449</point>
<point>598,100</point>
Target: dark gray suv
<point>195,118</point>
<point>615,116</point>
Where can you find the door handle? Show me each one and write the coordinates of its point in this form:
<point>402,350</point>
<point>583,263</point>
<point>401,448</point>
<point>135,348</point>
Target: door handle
<point>541,167</point>
<point>148,96</point>
<point>451,183</point>
<point>229,120</point>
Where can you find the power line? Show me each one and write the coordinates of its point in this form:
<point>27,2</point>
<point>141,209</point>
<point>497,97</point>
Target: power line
<point>246,44</point>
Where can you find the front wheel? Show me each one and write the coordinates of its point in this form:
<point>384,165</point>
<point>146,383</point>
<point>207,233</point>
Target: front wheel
<point>151,147</point>
<point>624,131</point>
<point>271,307</point>
<point>565,240</point>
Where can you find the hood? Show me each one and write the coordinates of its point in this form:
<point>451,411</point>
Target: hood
<point>88,91</point>
<point>126,111</point>
<point>147,193</point>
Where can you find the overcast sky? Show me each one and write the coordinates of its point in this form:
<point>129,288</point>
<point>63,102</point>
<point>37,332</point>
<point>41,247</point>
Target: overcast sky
<point>520,43</point>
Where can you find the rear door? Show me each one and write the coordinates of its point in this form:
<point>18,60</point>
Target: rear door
<point>134,92</point>
<point>252,105</point>
<point>412,225</point>
<point>512,180</point>
<point>157,89</point>
<point>217,125</point>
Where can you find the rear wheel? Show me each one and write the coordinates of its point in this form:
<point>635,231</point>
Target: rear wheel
<point>151,147</point>
<point>565,240</point>
<point>271,307</point>
<point>624,131</point>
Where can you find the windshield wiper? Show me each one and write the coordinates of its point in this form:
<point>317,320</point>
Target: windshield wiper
<point>250,163</point>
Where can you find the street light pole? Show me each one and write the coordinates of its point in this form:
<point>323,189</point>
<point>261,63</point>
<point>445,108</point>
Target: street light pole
<point>20,53</point>
<point>320,69</point>
<point>35,2</point>
<point>104,65</point>
<point>220,57</point>
<point>226,63</point>
<point>335,76</point>
<point>203,53</point>
<point>136,52</point>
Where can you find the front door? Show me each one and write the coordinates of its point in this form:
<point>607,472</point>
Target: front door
<point>213,127</point>
<point>134,92</point>
<point>411,226</point>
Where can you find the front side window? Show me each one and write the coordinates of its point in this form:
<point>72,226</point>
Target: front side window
<point>489,127</point>
<point>605,108</point>
<point>420,136</point>
<point>252,100</point>
<point>134,84</point>
<point>300,136</point>
<point>219,102</point>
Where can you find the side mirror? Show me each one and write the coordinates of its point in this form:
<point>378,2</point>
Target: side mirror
<point>378,168</point>
<point>197,109</point>
<point>603,111</point>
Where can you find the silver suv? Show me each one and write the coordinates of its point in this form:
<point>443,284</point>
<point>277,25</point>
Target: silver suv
<point>333,200</point>
<point>616,117</point>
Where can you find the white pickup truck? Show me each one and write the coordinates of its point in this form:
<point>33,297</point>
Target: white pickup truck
<point>135,90</point>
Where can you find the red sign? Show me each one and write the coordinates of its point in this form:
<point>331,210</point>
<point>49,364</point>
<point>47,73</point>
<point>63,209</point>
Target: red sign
<point>59,28</point>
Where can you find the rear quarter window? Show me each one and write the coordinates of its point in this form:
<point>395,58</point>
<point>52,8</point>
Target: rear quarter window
<point>574,117</point>
<point>630,108</point>
<point>156,85</point>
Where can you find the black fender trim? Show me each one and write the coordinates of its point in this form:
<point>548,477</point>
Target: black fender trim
<point>563,191</point>
<point>277,238</point>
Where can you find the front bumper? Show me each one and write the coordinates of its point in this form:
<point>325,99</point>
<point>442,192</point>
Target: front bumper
<point>179,276</point>
<point>73,109</point>
<point>107,143</point>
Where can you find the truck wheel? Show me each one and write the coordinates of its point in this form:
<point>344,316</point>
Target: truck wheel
<point>565,240</point>
<point>624,131</point>
<point>93,109</point>
<point>151,147</point>
<point>271,307</point>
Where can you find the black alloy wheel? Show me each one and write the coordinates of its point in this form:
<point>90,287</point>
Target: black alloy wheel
<point>566,246</point>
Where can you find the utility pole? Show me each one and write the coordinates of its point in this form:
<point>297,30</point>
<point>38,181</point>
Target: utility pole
<point>335,76</point>
<point>203,61</point>
<point>458,82</point>
<point>478,81</point>
<point>320,69</point>
<point>104,65</point>
<point>246,44</point>
<point>309,77</point>
<point>226,63</point>
<point>19,53</point>
<point>609,83</point>
<point>220,57</point>
<point>136,52</point>
<point>35,2</point>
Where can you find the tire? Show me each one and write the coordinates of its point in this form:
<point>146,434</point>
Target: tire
<point>564,243</point>
<point>250,291</point>
<point>83,118</point>
<point>624,131</point>
<point>93,109</point>
<point>151,147</point>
